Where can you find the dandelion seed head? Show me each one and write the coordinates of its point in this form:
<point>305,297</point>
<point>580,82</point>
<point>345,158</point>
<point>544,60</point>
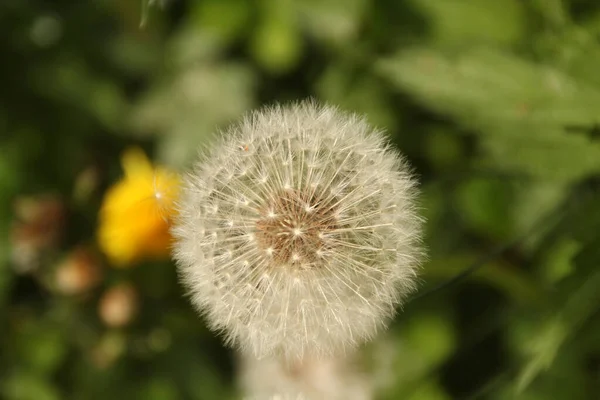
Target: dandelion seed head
<point>297,233</point>
<point>310,379</point>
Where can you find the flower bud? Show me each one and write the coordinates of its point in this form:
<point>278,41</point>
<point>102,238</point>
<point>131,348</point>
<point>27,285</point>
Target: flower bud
<point>118,305</point>
<point>37,228</point>
<point>78,272</point>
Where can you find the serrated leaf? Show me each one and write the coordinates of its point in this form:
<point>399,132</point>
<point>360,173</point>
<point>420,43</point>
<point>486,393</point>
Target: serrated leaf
<point>575,50</point>
<point>482,87</point>
<point>543,152</point>
<point>513,103</point>
<point>457,22</point>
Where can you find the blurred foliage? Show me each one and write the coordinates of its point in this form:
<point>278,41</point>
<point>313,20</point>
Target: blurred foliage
<point>495,103</point>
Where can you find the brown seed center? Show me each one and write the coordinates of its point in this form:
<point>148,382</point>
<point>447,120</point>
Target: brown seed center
<point>294,228</point>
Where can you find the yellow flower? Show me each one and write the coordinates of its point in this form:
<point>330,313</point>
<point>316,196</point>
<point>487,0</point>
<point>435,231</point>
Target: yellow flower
<point>135,214</point>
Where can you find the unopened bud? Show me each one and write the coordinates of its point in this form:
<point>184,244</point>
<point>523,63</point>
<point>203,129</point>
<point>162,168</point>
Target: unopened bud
<point>79,272</point>
<point>118,305</point>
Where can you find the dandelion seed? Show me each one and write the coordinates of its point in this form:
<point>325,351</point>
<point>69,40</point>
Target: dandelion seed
<point>335,235</point>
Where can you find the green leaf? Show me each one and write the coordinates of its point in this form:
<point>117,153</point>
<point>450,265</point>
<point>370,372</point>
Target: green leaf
<point>486,207</point>
<point>357,92</point>
<point>456,22</point>
<point>277,43</point>
<point>575,50</point>
<point>159,389</point>
<point>444,149</point>
<point>432,336</point>
<point>225,19</point>
<point>580,306</point>
<point>553,11</point>
<point>429,390</point>
<point>533,200</point>
<point>70,80</point>
<point>514,283</point>
<point>483,87</point>
<point>333,21</point>
<point>543,152</point>
<point>558,262</point>
<point>42,347</point>
<point>144,13</point>
<point>22,386</point>
<point>185,110</point>
<point>512,104</point>
<point>9,184</point>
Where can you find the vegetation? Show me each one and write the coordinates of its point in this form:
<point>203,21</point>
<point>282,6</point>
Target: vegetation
<point>496,104</point>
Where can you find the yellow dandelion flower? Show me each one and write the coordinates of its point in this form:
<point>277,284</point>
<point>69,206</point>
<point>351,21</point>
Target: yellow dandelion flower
<point>135,214</point>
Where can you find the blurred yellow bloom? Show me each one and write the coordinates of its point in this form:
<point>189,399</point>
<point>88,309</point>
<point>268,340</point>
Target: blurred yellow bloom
<point>135,213</point>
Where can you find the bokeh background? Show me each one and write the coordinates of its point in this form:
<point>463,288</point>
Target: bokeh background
<point>495,103</point>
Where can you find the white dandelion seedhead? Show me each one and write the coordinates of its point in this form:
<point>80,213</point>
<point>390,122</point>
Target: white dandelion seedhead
<point>297,234</point>
<point>309,379</point>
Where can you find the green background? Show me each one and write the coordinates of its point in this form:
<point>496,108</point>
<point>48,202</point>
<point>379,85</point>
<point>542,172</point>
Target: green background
<point>495,103</point>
